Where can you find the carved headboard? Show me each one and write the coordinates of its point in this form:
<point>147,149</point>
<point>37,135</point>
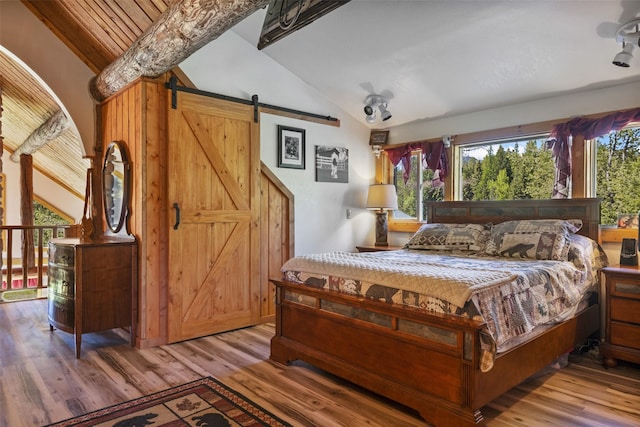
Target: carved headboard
<point>496,211</point>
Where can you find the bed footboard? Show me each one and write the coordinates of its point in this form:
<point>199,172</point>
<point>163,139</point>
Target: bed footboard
<point>388,350</point>
<point>428,362</point>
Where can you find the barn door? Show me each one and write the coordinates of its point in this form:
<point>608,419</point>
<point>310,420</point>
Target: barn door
<point>214,172</point>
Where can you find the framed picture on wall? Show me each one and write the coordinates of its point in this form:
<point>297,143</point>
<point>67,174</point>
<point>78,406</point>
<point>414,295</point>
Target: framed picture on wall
<point>291,150</point>
<point>627,220</point>
<point>332,164</point>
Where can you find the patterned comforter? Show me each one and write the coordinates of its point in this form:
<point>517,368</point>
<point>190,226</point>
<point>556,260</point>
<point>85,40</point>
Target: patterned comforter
<point>515,297</point>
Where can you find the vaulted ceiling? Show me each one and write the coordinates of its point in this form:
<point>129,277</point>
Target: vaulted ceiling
<point>97,32</point>
<point>433,58</point>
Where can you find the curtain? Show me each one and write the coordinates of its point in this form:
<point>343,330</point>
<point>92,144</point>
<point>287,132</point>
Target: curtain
<point>434,157</point>
<point>558,142</point>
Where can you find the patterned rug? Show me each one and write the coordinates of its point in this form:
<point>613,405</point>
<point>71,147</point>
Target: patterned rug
<point>203,403</point>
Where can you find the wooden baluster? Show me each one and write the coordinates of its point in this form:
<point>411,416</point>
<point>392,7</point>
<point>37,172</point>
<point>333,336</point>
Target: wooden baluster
<point>9,257</point>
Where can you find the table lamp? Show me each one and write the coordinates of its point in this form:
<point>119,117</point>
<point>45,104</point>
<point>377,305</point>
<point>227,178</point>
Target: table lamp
<point>382,197</point>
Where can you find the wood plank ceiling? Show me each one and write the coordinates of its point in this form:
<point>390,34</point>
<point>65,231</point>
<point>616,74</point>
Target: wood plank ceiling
<point>97,31</point>
<point>27,105</point>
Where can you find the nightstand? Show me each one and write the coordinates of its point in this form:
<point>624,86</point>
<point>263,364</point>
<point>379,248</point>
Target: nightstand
<point>373,248</point>
<point>622,334</point>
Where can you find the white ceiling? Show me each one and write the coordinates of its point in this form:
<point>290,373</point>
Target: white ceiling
<point>437,58</point>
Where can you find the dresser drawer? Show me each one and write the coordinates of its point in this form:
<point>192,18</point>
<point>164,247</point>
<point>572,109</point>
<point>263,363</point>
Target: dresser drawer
<point>61,281</point>
<point>627,288</point>
<point>61,310</point>
<point>625,310</point>
<point>61,255</point>
<point>625,335</point>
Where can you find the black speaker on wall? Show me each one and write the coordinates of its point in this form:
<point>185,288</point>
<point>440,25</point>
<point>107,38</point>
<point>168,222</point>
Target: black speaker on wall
<point>629,252</point>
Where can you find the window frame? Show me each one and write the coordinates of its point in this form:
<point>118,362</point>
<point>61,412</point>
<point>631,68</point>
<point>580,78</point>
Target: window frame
<point>609,234</point>
<point>458,182</point>
<point>416,156</point>
<point>582,155</point>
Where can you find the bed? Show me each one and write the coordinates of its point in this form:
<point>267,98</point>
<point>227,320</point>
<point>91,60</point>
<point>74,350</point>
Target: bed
<point>446,364</point>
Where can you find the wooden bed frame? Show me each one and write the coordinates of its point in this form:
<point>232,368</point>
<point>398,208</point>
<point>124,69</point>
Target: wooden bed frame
<point>441,379</point>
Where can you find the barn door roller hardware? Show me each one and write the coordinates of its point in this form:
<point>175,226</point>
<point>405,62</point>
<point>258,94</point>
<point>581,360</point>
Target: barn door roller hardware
<point>172,84</point>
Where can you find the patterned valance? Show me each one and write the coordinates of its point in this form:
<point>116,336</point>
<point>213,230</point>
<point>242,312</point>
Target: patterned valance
<point>434,157</point>
<point>588,128</point>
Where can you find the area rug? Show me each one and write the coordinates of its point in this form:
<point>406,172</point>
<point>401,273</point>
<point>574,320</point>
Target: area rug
<point>21,295</point>
<point>204,403</point>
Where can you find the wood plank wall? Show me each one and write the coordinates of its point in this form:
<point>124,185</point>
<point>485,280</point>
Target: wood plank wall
<point>276,239</point>
<point>137,116</point>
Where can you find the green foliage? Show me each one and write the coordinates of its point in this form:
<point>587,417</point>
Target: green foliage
<point>432,191</point>
<point>45,216</point>
<point>407,193</point>
<point>499,188</point>
<point>533,173</point>
<point>509,174</point>
<point>618,174</point>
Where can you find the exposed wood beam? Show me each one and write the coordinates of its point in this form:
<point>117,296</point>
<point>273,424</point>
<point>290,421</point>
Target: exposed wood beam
<point>26,210</point>
<point>49,130</point>
<point>181,30</point>
<point>284,17</point>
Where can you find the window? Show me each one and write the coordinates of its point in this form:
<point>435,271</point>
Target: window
<point>617,165</point>
<point>423,185</point>
<point>505,170</point>
<point>497,165</point>
<point>44,214</point>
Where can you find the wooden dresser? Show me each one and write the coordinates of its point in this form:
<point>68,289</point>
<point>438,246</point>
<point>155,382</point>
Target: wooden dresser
<point>622,336</point>
<point>92,286</point>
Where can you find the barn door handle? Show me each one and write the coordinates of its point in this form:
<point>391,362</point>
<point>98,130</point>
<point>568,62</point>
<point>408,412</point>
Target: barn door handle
<point>177,208</point>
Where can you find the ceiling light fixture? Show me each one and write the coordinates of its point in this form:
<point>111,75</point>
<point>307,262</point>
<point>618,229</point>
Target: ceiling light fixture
<point>629,35</point>
<point>373,102</point>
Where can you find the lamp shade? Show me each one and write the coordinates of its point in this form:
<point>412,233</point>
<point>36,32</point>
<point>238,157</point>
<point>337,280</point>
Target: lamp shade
<point>382,196</point>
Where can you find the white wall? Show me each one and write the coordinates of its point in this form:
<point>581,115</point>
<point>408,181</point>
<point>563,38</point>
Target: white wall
<point>44,188</point>
<point>320,207</point>
<point>232,67</point>
<point>588,102</point>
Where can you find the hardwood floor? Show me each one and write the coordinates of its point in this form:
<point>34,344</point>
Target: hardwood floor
<point>42,382</point>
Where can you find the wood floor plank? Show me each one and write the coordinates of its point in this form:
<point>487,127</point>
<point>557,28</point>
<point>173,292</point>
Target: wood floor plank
<point>42,382</point>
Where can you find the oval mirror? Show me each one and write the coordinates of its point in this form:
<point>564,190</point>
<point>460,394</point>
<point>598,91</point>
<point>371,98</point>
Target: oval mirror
<point>115,181</point>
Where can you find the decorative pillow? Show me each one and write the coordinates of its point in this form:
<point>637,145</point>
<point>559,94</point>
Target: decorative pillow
<point>449,236</point>
<point>545,239</point>
<point>543,246</point>
<point>537,225</point>
<point>586,255</point>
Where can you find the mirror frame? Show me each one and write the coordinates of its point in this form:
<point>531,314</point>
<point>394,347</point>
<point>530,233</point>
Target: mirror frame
<point>124,209</point>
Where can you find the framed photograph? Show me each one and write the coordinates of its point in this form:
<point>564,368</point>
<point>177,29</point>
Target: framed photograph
<point>378,137</point>
<point>332,164</point>
<point>291,147</point>
<point>627,220</point>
